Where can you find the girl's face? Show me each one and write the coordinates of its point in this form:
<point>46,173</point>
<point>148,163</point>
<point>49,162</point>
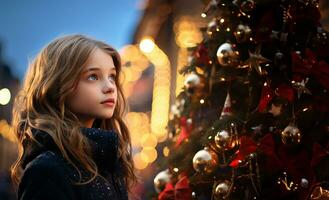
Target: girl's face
<point>96,93</point>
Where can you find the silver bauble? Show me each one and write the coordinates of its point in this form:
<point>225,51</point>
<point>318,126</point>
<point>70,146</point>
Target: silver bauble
<point>192,80</point>
<point>160,180</point>
<point>291,135</point>
<point>226,55</point>
<point>205,161</point>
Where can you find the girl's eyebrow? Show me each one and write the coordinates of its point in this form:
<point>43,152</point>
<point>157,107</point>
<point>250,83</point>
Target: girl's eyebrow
<point>97,69</point>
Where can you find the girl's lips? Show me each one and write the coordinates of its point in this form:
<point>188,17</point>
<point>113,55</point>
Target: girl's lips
<point>109,103</point>
<point>108,100</point>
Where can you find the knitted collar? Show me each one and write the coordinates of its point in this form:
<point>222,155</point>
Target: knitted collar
<point>104,146</point>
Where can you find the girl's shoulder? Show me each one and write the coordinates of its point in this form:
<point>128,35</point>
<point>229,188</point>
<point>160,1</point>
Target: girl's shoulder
<point>44,177</point>
<point>46,161</point>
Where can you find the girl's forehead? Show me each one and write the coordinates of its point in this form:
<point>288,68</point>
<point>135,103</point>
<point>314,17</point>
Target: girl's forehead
<point>101,60</point>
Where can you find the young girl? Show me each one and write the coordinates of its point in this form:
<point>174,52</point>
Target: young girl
<point>67,118</point>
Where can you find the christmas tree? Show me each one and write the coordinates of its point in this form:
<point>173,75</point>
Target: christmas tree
<point>252,121</point>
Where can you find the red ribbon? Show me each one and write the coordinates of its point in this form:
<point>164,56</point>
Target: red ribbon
<point>247,146</point>
<point>181,190</point>
<point>303,68</point>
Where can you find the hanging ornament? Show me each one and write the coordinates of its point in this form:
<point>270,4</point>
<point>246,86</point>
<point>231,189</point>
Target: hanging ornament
<point>242,33</point>
<point>291,135</point>
<point>224,140</point>
<point>161,179</point>
<point>304,183</point>
<point>255,59</point>
<point>205,161</point>
<point>213,26</point>
<point>301,87</point>
<point>227,56</point>
<point>247,6</point>
<point>192,81</point>
<point>222,190</point>
<point>227,109</point>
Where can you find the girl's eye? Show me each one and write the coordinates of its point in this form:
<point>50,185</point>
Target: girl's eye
<point>112,77</point>
<point>92,77</point>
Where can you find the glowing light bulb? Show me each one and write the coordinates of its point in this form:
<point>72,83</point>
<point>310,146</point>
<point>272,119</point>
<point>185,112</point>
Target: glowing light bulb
<point>147,45</point>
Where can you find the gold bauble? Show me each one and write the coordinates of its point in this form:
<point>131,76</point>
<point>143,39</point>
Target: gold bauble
<point>291,135</point>
<point>224,140</point>
<point>161,179</point>
<point>205,160</point>
<point>222,190</point>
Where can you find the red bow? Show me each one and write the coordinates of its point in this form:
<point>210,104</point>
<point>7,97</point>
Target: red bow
<point>247,146</point>
<point>310,66</point>
<point>280,158</point>
<point>267,146</point>
<point>185,131</point>
<point>202,55</point>
<point>181,191</point>
<point>284,91</point>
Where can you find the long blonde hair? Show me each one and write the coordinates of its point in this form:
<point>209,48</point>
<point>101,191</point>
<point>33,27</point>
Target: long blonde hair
<point>40,104</point>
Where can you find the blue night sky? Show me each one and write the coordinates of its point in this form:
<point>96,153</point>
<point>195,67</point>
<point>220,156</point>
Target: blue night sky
<point>27,26</point>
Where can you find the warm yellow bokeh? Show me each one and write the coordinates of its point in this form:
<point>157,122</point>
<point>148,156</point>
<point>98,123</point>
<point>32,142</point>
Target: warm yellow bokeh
<point>5,96</point>
<point>139,162</point>
<point>149,154</point>
<point>149,140</point>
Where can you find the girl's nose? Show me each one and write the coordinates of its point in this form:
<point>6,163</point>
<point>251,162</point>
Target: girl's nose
<point>109,86</point>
